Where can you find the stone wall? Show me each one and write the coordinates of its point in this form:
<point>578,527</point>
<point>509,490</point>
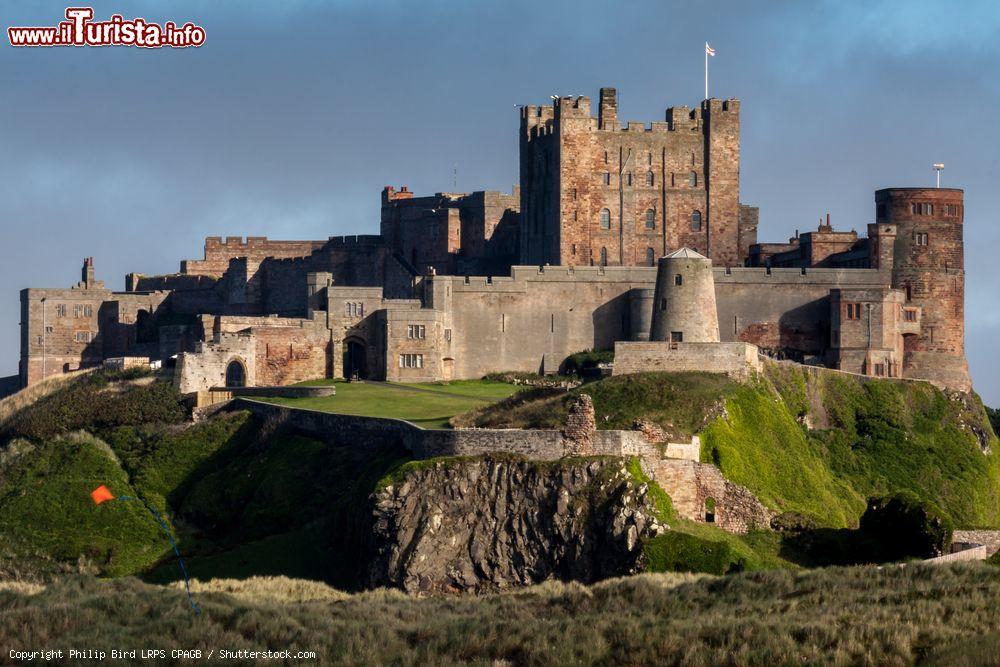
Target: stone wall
<point>206,366</point>
<point>689,483</point>
<point>737,360</point>
<point>219,251</point>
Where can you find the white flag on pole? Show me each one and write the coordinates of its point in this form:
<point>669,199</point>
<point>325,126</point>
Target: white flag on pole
<point>709,50</point>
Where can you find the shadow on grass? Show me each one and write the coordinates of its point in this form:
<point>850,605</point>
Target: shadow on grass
<point>273,501</point>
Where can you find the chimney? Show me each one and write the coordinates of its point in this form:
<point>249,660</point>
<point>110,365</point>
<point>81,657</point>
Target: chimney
<point>88,272</point>
<point>607,113</point>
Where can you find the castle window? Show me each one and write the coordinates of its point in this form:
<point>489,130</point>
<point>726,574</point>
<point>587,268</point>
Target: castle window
<point>628,178</point>
<point>920,238</point>
<point>447,335</point>
<point>650,219</point>
<point>574,193</point>
<point>678,279</point>
<point>952,209</point>
<point>852,311</point>
<point>76,310</point>
<point>88,311</point>
<point>696,221</point>
<point>354,309</point>
<point>924,208</point>
<point>606,159</point>
<point>604,256</point>
<point>692,159</point>
<point>909,293</point>
<point>649,178</point>
<point>606,177</point>
<point>605,219</point>
<point>411,361</point>
<point>416,331</point>
<point>880,370</point>
<point>49,329</point>
<point>649,256</point>
<point>693,179</point>
<point>82,336</point>
<point>909,314</point>
<point>673,179</point>
<point>663,304</point>
<point>676,336</point>
<point>61,310</point>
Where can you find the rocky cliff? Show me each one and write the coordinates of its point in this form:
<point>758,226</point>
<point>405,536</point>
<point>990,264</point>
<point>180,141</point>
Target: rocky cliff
<point>492,523</point>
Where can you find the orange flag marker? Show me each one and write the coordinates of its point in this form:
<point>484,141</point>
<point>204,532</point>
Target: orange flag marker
<point>100,494</point>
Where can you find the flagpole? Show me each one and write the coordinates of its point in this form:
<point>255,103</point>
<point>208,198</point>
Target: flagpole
<point>706,70</point>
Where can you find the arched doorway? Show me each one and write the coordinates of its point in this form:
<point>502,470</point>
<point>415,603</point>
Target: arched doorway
<point>236,374</point>
<point>355,364</point>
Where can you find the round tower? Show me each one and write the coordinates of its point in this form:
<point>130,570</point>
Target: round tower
<point>684,308</point>
<point>928,264</point>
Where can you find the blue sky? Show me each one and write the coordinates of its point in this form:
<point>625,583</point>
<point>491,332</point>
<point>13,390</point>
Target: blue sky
<point>293,115</point>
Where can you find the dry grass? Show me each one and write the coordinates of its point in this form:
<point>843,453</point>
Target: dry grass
<point>22,587</point>
<point>280,590</point>
<point>835,616</point>
<point>22,399</point>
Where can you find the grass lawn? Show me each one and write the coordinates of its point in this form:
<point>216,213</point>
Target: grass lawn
<point>429,405</point>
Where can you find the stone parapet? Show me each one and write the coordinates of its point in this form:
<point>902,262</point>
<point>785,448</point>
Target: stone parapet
<point>737,360</point>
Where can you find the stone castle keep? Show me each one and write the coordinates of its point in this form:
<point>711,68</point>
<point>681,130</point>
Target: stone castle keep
<point>626,236</point>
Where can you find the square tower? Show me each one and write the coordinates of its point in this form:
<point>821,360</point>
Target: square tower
<point>596,192</point>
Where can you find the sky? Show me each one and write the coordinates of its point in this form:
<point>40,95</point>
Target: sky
<point>293,115</point>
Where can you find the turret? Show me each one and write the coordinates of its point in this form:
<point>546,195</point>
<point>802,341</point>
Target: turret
<point>684,309</point>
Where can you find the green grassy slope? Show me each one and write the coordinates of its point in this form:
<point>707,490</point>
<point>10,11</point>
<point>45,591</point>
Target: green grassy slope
<point>241,498</point>
<point>843,616</point>
<point>869,437</point>
<point>430,405</point>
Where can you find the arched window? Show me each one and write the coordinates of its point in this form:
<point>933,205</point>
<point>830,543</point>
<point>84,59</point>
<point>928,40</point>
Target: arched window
<point>693,179</point>
<point>605,219</point>
<point>649,178</point>
<point>650,219</point>
<point>696,221</point>
<point>604,256</point>
<point>649,256</point>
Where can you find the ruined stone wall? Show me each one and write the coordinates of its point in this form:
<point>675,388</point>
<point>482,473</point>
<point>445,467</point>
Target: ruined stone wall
<point>205,367</point>
<point>690,485</point>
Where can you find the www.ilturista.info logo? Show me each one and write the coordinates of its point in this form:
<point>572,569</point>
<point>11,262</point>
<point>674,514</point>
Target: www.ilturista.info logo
<point>80,30</point>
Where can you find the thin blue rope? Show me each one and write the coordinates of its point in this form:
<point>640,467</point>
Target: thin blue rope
<point>173,545</point>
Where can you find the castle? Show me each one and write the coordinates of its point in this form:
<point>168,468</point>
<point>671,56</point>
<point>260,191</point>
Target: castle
<point>627,236</point>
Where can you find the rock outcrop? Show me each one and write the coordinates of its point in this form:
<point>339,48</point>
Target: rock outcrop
<point>485,523</point>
